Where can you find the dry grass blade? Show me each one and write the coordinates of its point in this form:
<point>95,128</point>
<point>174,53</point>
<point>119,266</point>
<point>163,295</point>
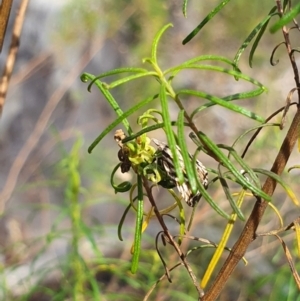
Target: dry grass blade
<point>14,46</point>
<point>42,123</point>
<point>290,261</point>
<point>294,225</point>
<point>4,16</point>
<point>297,230</point>
<point>158,281</point>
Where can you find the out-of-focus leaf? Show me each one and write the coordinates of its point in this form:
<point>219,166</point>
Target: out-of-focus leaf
<point>206,19</point>
<point>259,28</point>
<point>260,34</point>
<point>184,6</point>
<point>288,17</point>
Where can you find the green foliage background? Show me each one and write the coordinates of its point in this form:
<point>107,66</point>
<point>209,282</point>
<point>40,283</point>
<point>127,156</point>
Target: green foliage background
<point>96,265</point>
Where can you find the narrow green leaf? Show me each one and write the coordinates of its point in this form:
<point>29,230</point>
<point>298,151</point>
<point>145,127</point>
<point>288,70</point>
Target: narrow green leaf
<point>265,23</point>
<point>124,186</point>
<point>234,73</point>
<point>229,197</point>
<point>185,154</point>
<point>253,129</point>
<point>129,78</point>
<point>90,235</point>
<point>122,220</point>
<point>91,281</point>
<point>182,222</point>
<point>279,180</point>
<point>198,59</point>
<point>228,105</point>
<point>121,118</point>
<point>294,167</point>
<point>288,17</point>
<point>249,39</point>
<point>138,227</point>
<point>206,195</point>
<point>112,72</point>
<point>205,20</point>
<point>244,95</point>
<point>169,132</point>
<point>155,43</point>
<point>285,4</point>
<point>113,103</point>
<point>184,6</point>
<point>150,128</point>
<point>242,163</point>
<point>237,96</point>
<point>227,163</point>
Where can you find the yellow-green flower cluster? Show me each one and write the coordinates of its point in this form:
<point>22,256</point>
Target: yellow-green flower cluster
<point>140,151</point>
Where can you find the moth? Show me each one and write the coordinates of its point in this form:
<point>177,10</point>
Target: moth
<point>165,162</point>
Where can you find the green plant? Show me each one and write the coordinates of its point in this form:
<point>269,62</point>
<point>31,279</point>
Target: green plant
<point>146,162</point>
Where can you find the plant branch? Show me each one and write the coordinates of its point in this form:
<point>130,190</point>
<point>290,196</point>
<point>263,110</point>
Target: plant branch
<point>14,46</point>
<point>248,234</point>
<point>289,49</point>
<point>170,237</point>
<point>5,8</point>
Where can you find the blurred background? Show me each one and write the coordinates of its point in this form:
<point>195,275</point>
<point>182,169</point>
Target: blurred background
<point>48,110</point>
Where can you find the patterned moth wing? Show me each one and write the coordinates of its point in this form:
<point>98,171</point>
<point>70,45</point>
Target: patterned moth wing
<point>165,162</point>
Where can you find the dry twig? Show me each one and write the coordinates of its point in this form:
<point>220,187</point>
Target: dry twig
<point>14,46</point>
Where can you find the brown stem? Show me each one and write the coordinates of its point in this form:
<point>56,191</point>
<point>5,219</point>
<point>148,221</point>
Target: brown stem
<point>5,8</point>
<point>248,234</point>
<point>289,49</point>
<point>170,237</point>
<point>14,46</point>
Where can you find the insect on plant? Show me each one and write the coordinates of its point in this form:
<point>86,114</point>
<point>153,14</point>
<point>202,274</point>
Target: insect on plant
<point>165,161</point>
<point>161,168</point>
<point>171,166</point>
